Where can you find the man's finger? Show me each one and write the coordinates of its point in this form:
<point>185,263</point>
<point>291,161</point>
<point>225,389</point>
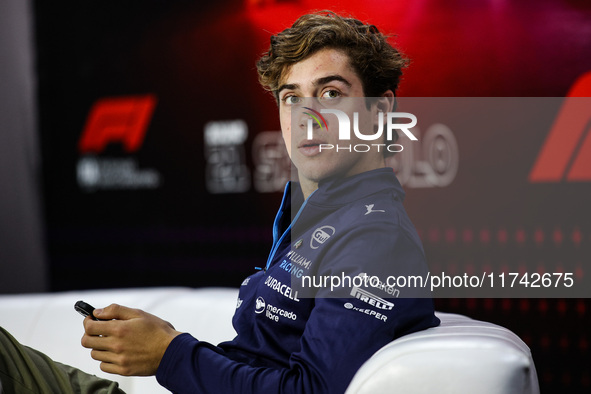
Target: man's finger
<point>104,356</point>
<point>96,342</point>
<point>109,368</point>
<point>117,312</point>
<point>98,328</point>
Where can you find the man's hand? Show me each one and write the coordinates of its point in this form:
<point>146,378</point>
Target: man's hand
<point>130,341</point>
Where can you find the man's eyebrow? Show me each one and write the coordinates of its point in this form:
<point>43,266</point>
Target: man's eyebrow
<point>318,82</point>
<point>331,78</point>
<point>289,86</point>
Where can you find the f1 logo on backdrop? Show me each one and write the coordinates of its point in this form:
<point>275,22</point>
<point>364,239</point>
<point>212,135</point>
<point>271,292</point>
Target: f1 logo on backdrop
<point>119,119</point>
<point>122,120</point>
<point>566,153</point>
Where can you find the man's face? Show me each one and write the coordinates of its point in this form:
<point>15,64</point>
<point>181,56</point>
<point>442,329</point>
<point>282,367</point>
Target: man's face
<point>324,80</point>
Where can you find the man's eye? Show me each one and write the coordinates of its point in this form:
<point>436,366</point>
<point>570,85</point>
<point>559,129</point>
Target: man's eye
<point>290,100</point>
<point>331,94</point>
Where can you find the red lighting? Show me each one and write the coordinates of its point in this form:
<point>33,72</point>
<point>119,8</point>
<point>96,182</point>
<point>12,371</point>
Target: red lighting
<point>450,235</point>
<point>485,236</point>
<point>557,236</point>
<point>539,236</point>
<point>520,236</point>
<point>467,235</point>
<point>502,236</point>
<point>577,237</point>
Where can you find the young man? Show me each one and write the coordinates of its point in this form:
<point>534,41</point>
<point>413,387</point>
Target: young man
<point>343,219</point>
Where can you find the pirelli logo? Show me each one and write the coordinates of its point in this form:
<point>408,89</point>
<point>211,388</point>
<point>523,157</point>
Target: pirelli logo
<point>369,298</point>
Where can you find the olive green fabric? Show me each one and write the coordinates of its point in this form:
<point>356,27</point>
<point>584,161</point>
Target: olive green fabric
<point>27,371</point>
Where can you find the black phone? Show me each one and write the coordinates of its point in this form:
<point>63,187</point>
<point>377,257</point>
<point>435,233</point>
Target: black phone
<point>85,309</point>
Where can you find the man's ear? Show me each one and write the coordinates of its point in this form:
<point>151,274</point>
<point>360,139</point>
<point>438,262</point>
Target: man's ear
<point>387,102</point>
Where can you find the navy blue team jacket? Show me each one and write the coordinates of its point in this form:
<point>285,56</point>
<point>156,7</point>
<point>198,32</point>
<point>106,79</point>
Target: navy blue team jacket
<point>298,335</point>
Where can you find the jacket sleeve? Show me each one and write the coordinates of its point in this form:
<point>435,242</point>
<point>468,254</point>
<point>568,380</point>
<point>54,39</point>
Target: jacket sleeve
<point>341,333</point>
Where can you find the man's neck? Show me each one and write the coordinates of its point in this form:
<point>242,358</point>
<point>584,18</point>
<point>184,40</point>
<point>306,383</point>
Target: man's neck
<point>308,187</point>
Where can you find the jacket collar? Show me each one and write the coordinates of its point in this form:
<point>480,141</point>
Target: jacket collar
<point>342,191</point>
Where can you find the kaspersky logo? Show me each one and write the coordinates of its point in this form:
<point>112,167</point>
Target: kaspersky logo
<point>344,124</point>
<point>566,153</point>
<point>116,120</point>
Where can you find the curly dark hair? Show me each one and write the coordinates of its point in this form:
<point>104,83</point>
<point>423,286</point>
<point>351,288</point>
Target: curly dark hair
<point>378,64</point>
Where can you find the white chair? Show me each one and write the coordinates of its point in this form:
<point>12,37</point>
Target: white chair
<point>460,356</point>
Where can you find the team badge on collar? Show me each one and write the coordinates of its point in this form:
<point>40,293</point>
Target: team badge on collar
<point>321,235</point>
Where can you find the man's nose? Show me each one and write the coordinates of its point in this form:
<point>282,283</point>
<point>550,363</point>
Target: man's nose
<point>307,114</point>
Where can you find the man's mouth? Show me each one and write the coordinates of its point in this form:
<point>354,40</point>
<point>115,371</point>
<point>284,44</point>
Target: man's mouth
<point>309,143</point>
<point>310,147</point>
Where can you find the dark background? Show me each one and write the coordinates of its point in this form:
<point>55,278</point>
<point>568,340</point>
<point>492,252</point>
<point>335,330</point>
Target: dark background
<point>198,59</point>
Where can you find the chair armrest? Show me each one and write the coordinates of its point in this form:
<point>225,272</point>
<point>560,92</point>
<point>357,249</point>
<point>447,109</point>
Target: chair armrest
<point>461,355</point>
